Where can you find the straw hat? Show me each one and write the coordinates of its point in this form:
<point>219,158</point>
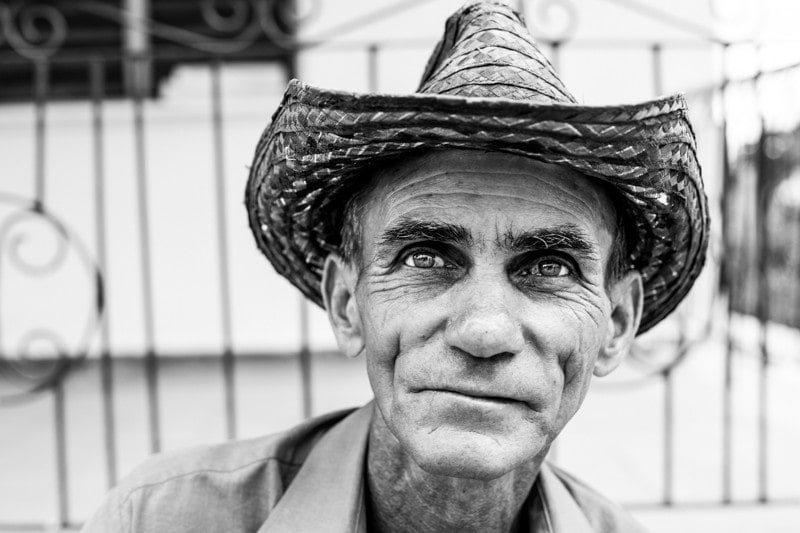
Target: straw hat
<point>487,86</point>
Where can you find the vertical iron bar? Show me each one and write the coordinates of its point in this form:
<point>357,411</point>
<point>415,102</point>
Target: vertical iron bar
<point>137,41</point>
<point>304,355</point>
<point>555,55</point>
<point>728,287</point>
<point>667,377</point>
<point>97,82</point>
<point>41,88</point>
<point>150,361</point>
<point>669,441</point>
<point>222,250</point>
<point>59,417</point>
<point>796,296</point>
<point>372,67</point>
<point>305,358</point>
<point>290,66</point>
<point>658,76</point>
<point>763,309</point>
<point>728,271</point>
<point>763,405</point>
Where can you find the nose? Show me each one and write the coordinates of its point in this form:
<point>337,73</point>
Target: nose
<point>482,323</point>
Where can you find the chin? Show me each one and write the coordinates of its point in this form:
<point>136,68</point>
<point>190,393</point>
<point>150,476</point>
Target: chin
<point>470,455</point>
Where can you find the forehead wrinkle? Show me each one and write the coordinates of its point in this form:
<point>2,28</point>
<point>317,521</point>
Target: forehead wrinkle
<point>431,184</point>
<point>419,182</point>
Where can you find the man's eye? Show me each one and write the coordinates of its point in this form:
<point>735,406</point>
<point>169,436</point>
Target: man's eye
<point>550,268</point>
<point>423,260</point>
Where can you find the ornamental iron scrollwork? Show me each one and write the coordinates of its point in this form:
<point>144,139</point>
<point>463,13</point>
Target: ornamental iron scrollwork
<point>227,16</point>
<point>44,41</point>
<point>552,20</point>
<point>33,30</point>
<point>241,19</point>
<point>37,30</point>
<point>235,25</point>
<point>37,253</point>
<point>281,20</point>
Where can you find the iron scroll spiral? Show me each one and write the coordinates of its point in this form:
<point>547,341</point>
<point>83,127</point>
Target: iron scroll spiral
<point>552,20</point>
<point>33,30</point>
<point>22,372</point>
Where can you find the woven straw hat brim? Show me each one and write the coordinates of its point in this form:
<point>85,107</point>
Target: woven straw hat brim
<point>311,155</point>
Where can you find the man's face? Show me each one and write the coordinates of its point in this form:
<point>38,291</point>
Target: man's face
<point>482,305</point>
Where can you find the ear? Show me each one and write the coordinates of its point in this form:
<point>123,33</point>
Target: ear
<point>626,312</point>
<point>339,294</point>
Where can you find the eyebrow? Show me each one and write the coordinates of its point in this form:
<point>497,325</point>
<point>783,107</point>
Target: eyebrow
<point>410,229</point>
<point>563,237</point>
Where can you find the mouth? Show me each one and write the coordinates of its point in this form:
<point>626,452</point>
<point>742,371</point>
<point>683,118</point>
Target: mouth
<point>476,396</point>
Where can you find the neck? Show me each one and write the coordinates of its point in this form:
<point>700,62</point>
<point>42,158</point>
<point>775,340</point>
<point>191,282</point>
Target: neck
<point>405,498</point>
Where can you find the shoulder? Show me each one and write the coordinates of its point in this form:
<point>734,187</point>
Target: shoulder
<point>288,448</point>
<point>243,479</point>
<point>602,513</point>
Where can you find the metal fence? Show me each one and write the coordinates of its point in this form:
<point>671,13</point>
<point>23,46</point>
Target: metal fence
<point>24,375</point>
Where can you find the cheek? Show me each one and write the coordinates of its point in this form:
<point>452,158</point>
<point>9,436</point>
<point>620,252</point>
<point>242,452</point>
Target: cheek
<point>395,331</point>
<point>568,326</point>
<point>572,331</point>
<point>381,347</point>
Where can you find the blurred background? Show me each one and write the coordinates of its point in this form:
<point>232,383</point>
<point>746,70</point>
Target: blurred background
<point>136,314</point>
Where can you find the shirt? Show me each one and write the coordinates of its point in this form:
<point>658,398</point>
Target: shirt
<point>308,479</point>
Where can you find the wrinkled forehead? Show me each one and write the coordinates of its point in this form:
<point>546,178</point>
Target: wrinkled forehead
<point>494,192</point>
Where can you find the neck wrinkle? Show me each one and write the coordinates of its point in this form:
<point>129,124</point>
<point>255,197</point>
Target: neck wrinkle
<point>402,497</point>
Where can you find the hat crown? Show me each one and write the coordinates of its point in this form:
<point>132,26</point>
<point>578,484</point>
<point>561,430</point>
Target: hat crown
<point>487,51</point>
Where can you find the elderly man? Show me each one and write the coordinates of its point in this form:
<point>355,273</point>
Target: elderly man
<point>488,245</point>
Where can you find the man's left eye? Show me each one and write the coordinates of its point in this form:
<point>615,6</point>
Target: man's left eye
<point>550,268</point>
<point>423,260</point>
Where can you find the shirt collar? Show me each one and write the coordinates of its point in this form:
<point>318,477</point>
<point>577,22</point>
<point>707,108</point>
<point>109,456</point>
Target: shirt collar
<point>561,511</point>
<point>329,488</point>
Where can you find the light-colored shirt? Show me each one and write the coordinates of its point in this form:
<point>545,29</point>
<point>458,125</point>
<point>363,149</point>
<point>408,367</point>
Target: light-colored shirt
<point>308,479</point>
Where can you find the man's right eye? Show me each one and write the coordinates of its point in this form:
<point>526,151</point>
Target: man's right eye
<point>423,259</point>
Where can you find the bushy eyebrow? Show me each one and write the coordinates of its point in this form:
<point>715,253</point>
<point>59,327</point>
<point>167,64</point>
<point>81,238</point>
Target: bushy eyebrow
<point>562,237</point>
<point>408,229</point>
<point>567,237</point>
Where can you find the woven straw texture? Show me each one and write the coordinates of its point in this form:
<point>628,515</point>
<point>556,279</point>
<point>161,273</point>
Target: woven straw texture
<point>487,86</point>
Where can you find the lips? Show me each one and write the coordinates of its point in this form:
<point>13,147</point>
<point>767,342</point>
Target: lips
<point>476,395</point>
